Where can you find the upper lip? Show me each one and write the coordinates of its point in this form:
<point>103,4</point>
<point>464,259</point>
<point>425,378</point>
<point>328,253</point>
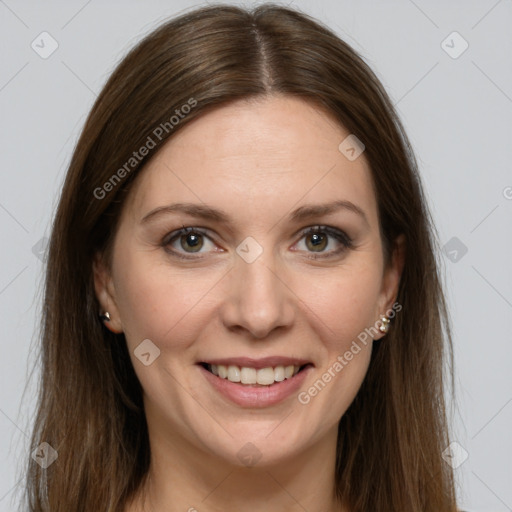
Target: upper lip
<point>264,362</point>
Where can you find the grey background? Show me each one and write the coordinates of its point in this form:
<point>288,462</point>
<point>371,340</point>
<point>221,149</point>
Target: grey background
<point>457,112</point>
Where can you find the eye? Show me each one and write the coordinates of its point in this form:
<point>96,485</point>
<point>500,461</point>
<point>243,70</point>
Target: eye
<point>317,239</point>
<point>186,238</point>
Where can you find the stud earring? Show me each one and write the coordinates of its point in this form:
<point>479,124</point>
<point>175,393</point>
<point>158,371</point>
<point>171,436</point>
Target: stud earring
<point>105,316</point>
<point>384,326</point>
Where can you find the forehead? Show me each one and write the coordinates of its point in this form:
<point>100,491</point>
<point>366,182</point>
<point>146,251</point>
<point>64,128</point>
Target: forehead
<point>255,157</point>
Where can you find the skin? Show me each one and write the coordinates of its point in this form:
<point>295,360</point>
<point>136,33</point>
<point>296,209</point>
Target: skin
<point>257,161</point>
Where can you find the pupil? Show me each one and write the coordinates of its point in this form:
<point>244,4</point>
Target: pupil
<point>192,241</point>
<point>317,240</point>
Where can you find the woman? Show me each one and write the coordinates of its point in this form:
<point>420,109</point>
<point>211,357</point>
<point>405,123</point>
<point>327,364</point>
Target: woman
<point>243,308</point>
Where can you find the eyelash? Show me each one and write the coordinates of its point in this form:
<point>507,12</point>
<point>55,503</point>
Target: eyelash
<point>339,235</point>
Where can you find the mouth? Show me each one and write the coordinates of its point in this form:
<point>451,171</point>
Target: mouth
<point>256,383</point>
<point>254,376</point>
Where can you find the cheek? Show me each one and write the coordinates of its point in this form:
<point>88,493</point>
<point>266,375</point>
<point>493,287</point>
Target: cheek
<point>160,303</point>
<point>344,301</point>
<point>342,305</point>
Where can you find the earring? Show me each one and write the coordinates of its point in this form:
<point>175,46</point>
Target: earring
<point>105,316</point>
<point>385,324</point>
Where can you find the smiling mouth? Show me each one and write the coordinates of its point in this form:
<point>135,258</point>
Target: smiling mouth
<point>252,377</point>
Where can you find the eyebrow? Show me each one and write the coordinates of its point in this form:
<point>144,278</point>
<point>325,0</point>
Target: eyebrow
<point>302,213</point>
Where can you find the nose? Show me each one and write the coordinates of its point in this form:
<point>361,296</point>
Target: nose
<point>259,300</point>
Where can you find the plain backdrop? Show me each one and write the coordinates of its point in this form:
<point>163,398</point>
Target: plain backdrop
<point>453,93</point>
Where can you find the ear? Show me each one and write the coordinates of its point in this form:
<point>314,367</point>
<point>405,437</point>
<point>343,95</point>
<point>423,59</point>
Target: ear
<point>391,276</point>
<point>105,293</point>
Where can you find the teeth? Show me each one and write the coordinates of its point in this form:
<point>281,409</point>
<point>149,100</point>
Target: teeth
<point>248,375</point>
<point>245,375</point>
<point>279,373</point>
<point>223,371</point>
<point>265,376</point>
<point>234,374</point>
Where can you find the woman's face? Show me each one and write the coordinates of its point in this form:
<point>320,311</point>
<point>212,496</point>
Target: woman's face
<point>247,287</point>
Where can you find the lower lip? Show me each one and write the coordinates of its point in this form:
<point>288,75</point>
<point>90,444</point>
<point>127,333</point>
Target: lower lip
<point>256,396</point>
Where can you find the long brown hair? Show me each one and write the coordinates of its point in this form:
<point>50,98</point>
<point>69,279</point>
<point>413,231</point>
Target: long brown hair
<point>90,407</point>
